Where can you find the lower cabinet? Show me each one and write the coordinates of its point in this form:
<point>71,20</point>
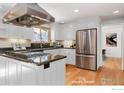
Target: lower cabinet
<point>3,73</point>
<point>72,57</point>
<point>70,53</point>
<point>14,72</point>
<point>28,75</point>
<point>54,75</point>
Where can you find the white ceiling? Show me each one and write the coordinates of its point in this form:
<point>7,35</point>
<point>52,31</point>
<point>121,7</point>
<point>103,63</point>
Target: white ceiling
<point>64,11</point>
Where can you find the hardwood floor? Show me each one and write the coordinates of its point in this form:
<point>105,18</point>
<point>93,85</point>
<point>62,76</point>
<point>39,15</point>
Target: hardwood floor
<point>109,74</point>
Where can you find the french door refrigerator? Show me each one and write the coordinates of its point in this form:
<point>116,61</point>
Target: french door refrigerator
<point>86,49</point>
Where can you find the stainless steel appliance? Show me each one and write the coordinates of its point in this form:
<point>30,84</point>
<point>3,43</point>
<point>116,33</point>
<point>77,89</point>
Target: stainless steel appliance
<point>28,14</point>
<point>86,49</point>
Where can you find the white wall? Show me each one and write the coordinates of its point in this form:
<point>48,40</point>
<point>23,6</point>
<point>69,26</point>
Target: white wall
<point>112,51</point>
<point>118,21</point>
<point>12,31</point>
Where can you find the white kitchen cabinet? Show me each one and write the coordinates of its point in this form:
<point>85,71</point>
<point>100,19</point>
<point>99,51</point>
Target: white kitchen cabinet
<point>9,71</point>
<point>12,69</point>
<point>61,73</point>
<point>70,53</point>
<point>58,69</point>
<point>28,75</point>
<point>54,75</point>
<point>14,72</point>
<point>73,56</point>
<point>3,74</point>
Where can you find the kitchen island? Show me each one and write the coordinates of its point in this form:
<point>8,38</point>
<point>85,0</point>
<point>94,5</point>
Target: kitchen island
<point>33,68</point>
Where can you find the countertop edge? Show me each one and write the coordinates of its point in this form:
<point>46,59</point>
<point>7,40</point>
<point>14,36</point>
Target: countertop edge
<point>37,64</point>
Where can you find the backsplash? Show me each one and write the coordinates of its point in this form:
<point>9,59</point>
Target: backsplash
<point>66,43</point>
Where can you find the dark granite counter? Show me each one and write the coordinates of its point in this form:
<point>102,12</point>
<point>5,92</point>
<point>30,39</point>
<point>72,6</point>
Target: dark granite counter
<point>37,58</point>
<point>2,50</point>
<point>51,48</point>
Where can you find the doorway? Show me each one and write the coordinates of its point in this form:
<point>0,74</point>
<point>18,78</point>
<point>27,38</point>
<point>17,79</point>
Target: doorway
<point>112,42</point>
<point>112,52</point>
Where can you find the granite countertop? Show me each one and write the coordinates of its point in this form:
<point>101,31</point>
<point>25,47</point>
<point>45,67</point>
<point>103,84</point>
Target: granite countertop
<point>57,48</point>
<point>2,50</point>
<point>46,58</point>
<point>37,58</point>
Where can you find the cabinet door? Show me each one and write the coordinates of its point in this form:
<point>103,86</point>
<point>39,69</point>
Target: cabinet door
<point>2,71</point>
<point>70,53</point>
<point>65,52</point>
<point>47,76</point>
<point>28,75</point>
<point>55,74</point>
<point>12,72</point>
<point>60,72</point>
<point>72,56</point>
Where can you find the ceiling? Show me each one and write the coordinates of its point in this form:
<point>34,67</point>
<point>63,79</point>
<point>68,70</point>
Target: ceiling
<point>64,11</point>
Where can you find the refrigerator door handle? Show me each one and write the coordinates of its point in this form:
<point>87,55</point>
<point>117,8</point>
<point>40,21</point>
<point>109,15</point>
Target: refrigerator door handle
<point>85,55</point>
<point>86,62</point>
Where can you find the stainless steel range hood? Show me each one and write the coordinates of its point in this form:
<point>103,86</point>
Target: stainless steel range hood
<point>28,14</point>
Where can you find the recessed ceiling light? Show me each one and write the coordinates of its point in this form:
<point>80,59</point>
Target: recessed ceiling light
<point>115,12</point>
<point>76,10</point>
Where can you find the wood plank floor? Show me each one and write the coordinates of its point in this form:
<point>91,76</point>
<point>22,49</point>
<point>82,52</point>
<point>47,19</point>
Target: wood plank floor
<point>109,74</point>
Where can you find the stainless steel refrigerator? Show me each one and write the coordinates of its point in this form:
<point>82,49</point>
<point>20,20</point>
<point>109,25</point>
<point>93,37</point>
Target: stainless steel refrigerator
<point>86,49</point>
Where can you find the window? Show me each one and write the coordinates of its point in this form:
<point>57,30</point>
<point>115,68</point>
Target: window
<point>41,36</point>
